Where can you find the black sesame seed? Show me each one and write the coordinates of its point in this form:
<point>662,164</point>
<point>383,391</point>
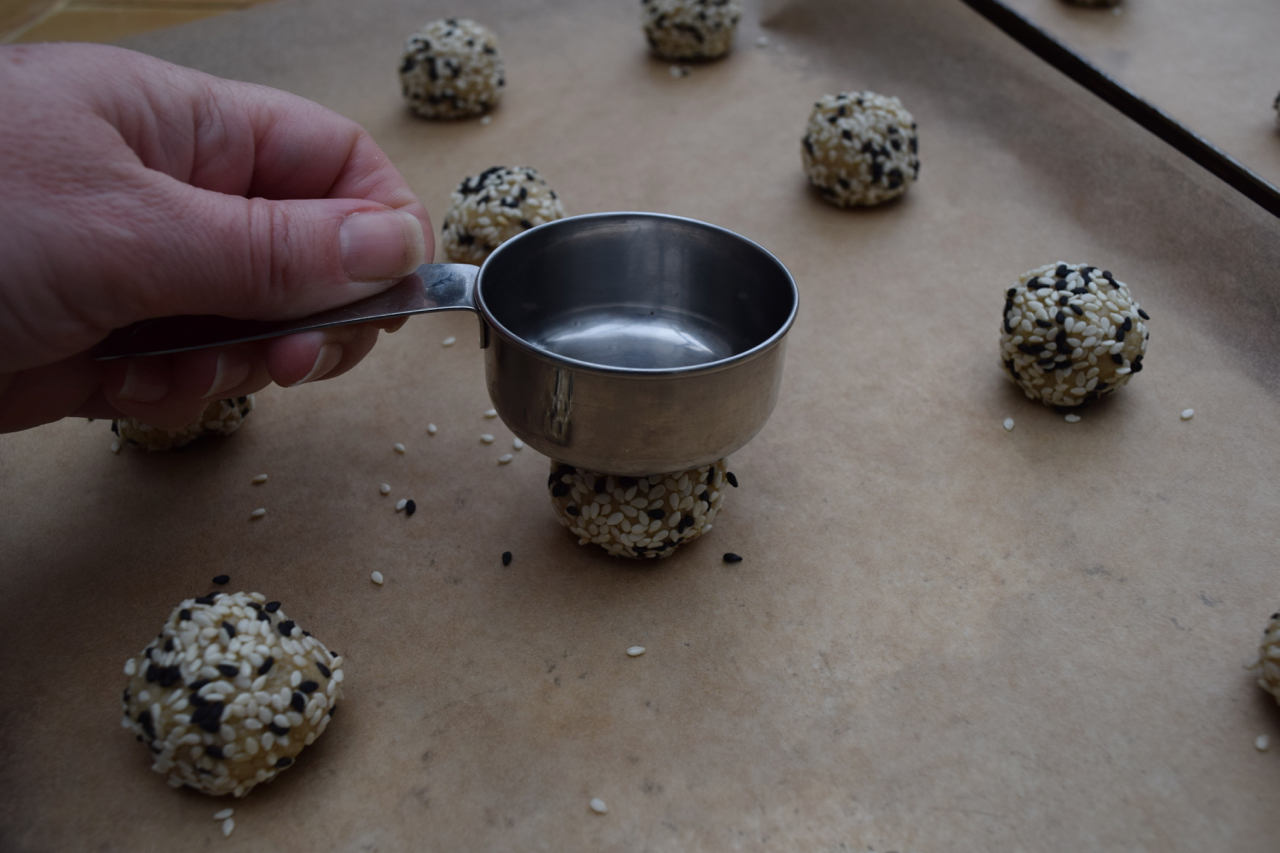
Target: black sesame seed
<point>229,628</point>
<point>229,670</point>
<point>410,508</point>
<point>572,510</point>
<point>208,717</point>
<point>1117,358</point>
<point>298,702</point>
<point>1061,271</point>
<point>184,615</point>
<point>148,726</point>
<point>168,644</point>
<point>324,670</point>
<point>263,616</point>
<point>506,558</point>
<point>657,514</point>
<point>286,627</point>
<point>308,687</point>
<point>197,700</point>
<point>278,731</point>
<point>214,751</point>
<point>559,490</point>
<point>1143,314</point>
<point>272,606</point>
<point>283,761</point>
<point>205,599</point>
<point>732,558</point>
<point>1060,317</point>
<point>1077,309</point>
<point>222,579</point>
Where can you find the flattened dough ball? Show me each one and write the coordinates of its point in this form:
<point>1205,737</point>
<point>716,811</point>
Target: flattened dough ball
<point>452,69</point>
<point>1268,664</point>
<point>229,693</point>
<point>690,29</point>
<point>221,417</point>
<point>860,148</point>
<point>639,517</point>
<point>490,208</point>
<point>1071,333</point>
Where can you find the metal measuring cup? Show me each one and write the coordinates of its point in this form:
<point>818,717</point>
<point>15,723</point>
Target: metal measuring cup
<point>623,343</point>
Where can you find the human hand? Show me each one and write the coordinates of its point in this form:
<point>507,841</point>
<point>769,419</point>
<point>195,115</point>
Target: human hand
<point>131,188</point>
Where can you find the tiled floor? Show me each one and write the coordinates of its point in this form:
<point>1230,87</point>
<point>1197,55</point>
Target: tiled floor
<point>100,20</point>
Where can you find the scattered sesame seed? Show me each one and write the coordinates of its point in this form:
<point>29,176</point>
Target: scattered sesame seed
<point>115,447</point>
<point>227,826</point>
<point>258,513</point>
<point>599,806</point>
<point>385,488</point>
<point>224,814</point>
<point>486,438</point>
<point>506,558</point>
<point>517,444</point>
<point>490,413</point>
<point>635,651</point>
<point>432,429</point>
<point>398,448</point>
<point>1008,423</point>
<point>259,480</point>
<point>762,41</point>
<point>410,508</point>
<point>1072,418</point>
<point>401,504</point>
<point>505,458</point>
<point>486,119</point>
<point>449,341</point>
<point>376,577</point>
<point>1188,414</point>
<point>679,71</point>
<point>222,579</point>
<point>1262,743</point>
<point>732,558</point>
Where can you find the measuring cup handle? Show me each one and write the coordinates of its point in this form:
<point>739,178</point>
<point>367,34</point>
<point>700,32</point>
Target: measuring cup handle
<point>434,287</point>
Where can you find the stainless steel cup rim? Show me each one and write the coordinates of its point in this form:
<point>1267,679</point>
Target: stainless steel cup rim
<point>539,231</point>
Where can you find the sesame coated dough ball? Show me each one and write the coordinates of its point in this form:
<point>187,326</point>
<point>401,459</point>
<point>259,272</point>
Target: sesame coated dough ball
<point>690,29</point>
<point>451,69</point>
<point>490,208</point>
<point>221,417</point>
<point>1268,663</point>
<point>639,517</point>
<point>229,693</point>
<point>860,148</point>
<point>1071,333</point>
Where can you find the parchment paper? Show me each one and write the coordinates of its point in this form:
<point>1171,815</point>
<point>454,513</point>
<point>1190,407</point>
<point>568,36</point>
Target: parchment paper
<point>943,636</point>
<point>1212,66</point>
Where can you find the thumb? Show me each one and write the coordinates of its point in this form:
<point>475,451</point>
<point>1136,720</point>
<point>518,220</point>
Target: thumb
<point>270,259</point>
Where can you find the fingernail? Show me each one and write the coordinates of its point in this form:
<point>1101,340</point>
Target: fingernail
<point>231,372</point>
<point>143,384</point>
<point>327,359</point>
<point>381,244</point>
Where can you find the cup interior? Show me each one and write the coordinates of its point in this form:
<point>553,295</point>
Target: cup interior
<point>637,292</point>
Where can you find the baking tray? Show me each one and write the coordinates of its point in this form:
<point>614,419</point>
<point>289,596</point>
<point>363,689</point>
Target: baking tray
<point>943,635</point>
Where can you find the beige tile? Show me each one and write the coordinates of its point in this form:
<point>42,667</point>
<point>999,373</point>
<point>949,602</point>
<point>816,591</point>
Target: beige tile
<point>108,25</point>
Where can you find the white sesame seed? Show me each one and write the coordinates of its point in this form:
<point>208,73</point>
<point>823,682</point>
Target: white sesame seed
<point>1262,743</point>
<point>385,488</point>
<point>1008,423</point>
<point>505,458</point>
<point>486,438</point>
<point>599,806</point>
<point>635,651</point>
<point>486,119</point>
<point>376,577</point>
<point>679,70</point>
<point>398,448</point>
<point>258,513</point>
<point>517,444</point>
<point>490,413</point>
<point>227,826</point>
<point>762,41</point>
<point>449,341</point>
<point>224,814</point>
<point>1188,414</point>
<point>115,447</point>
<point>259,480</point>
<point>401,504</point>
<point>432,429</point>
<point>1071,419</point>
